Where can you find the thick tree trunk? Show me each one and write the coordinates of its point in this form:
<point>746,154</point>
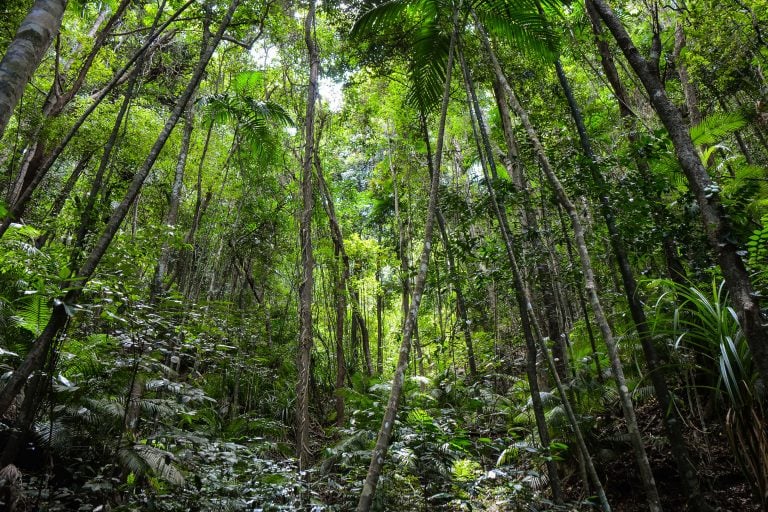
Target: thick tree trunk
<point>57,100</point>
<point>59,316</point>
<point>25,52</point>
<point>388,422</point>
<point>716,224</point>
<point>307,262</point>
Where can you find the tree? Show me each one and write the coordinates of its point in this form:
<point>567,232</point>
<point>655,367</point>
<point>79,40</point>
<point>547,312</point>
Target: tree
<point>307,263</point>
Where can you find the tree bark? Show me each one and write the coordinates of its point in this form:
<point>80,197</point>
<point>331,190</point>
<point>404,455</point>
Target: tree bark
<point>25,53</point>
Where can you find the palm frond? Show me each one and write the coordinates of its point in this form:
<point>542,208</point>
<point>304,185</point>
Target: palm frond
<point>427,69</point>
<point>521,25</point>
<point>142,459</point>
<point>380,18</point>
<point>247,82</point>
<point>716,126</point>
<point>32,313</point>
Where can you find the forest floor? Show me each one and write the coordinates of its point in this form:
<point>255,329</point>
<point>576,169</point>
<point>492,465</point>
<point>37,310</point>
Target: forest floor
<point>723,483</point>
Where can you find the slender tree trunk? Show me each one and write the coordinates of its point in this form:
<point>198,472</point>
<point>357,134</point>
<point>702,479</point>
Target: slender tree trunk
<point>158,287</point>
<point>25,52</point>
<point>530,225</point>
<point>689,90</point>
<point>524,304</point>
<point>453,276</point>
<point>388,422</point>
<point>307,262</point>
<point>705,191</point>
<point>60,313</point>
<point>379,324</point>
<point>656,370</point>
<point>63,195</point>
<point>675,268</point>
<point>89,214</point>
<point>340,293</point>
<point>647,479</point>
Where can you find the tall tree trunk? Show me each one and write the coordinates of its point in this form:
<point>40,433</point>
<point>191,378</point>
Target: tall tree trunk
<point>340,292</point>
<point>705,191</point>
<point>305,226</point>
<point>689,90</point>
<point>530,225</point>
<point>63,195</point>
<point>453,275</point>
<point>158,287</point>
<point>675,269</point>
<point>57,100</point>
<point>388,422</point>
<point>524,304</point>
<point>37,354</point>
<point>656,370</point>
<point>647,479</point>
<point>379,323</point>
<point>25,52</point>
